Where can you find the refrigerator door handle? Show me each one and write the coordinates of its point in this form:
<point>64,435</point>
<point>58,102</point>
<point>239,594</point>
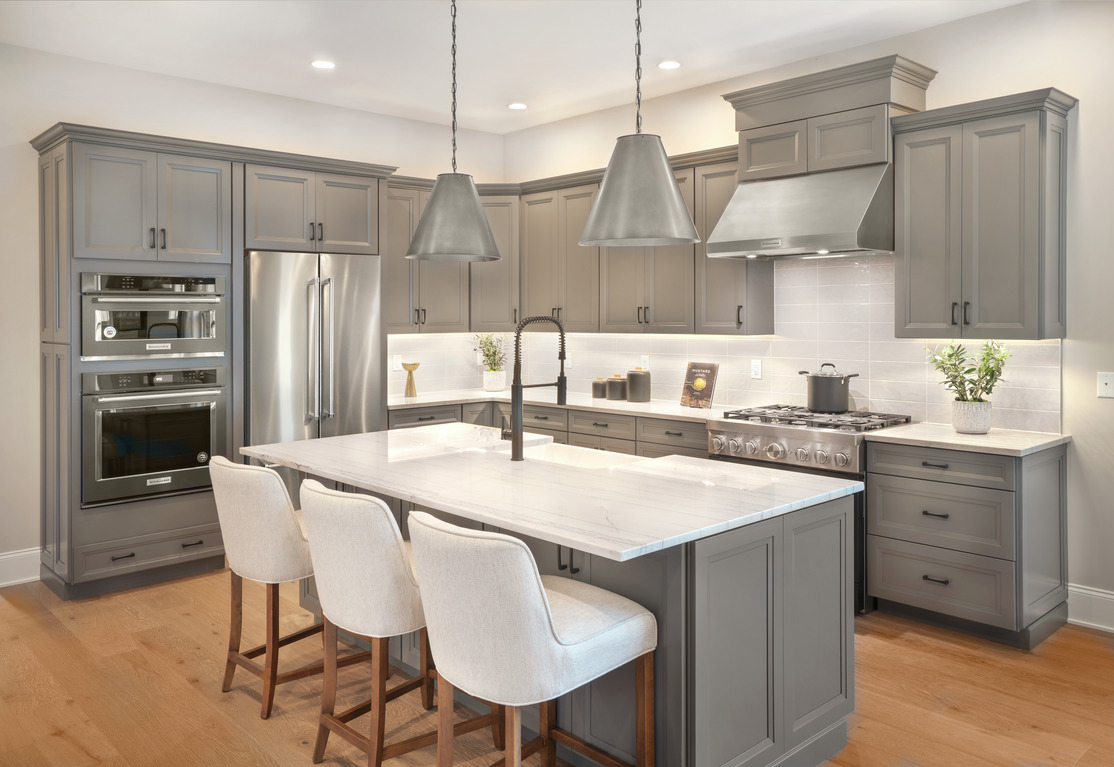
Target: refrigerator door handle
<point>313,403</point>
<point>330,385</point>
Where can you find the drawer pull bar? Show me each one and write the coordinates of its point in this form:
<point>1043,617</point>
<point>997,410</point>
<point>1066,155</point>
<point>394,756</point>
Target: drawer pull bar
<point>541,418</point>
<point>123,556</point>
<point>601,425</point>
<point>928,513</point>
<point>674,434</point>
<point>426,417</point>
<point>195,543</point>
<point>930,465</point>
<point>941,581</point>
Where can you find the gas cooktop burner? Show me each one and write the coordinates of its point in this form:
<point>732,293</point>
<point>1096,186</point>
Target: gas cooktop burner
<point>792,415</point>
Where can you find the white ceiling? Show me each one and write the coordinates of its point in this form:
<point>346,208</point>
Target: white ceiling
<point>561,57</point>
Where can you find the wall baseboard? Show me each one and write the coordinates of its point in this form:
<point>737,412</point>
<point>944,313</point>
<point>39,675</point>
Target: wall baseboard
<point>1091,607</point>
<point>19,567</point>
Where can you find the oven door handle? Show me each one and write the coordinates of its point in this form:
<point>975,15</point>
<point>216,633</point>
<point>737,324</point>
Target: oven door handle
<point>156,300</point>
<point>159,396</point>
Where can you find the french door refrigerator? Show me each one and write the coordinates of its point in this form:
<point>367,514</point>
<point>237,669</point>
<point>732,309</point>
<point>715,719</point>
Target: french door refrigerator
<point>316,353</point>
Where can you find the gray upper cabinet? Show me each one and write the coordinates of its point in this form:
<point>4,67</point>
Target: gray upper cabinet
<point>649,289</point>
<point>312,212</point>
<point>54,247</point>
<point>495,284</point>
<point>419,296</point>
<point>140,205</point>
<point>733,296</point>
<point>980,213</point>
<point>559,277</point>
<point>773,150</point>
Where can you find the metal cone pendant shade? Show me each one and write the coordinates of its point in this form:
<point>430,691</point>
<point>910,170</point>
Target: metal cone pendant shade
<point>453,226</point>
<point>639,202</point>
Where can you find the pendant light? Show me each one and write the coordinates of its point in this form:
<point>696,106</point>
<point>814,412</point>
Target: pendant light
<point>639,202</point>
<point>453,226</point>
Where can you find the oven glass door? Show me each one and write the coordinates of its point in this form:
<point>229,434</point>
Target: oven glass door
<point>114,327</point>
<point>141,444</point>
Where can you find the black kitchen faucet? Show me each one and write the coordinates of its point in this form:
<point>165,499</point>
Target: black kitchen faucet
<point>517,385</point>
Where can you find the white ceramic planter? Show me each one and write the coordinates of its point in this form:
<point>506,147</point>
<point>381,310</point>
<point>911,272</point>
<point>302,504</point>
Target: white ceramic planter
<point>971,417</point>
<point>495,380</point>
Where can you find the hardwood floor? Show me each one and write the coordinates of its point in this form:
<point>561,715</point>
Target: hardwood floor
<point>133,679</point>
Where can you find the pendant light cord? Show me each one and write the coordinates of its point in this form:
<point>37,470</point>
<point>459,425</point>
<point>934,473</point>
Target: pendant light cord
<point>455,86</point>
<point>637,66</point>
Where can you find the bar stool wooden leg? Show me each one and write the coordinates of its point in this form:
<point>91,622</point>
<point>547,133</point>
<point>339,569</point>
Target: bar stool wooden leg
<point>444,722</point>
<point>328,689</point>
<point>644,709</point>
<point>426,667</point>
<point>498,722</point>
<point>270,661</point>
<point>380,670</point>
<point>513,735</point>
<point>235,629</point>
<point>547,720</point>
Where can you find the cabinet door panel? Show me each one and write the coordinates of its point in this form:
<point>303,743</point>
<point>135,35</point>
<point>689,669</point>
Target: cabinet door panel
<point>579,308</point>
<point>54,247</point>
<point>494,291</point>
<point>847,139</point>
<point>278,209</point>
<point>773,150</point>
<point>347,214</point>
<point>541,263</point>
<point>669,275</point>
<point>195,209</point>
<point>928,236</point>
<point>622,282</point>
<point>443,296</point>
<point>399,273</point>
<point>114,202</point>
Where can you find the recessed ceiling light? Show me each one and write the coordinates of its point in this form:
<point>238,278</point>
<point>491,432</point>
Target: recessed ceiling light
<point>516,105</point>
<point>323,64</point>
<point>669,65</point>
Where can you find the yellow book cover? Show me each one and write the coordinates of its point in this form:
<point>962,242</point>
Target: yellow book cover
<point>700,382</point>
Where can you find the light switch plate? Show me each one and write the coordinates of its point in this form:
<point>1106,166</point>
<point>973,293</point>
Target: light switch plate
<point>396,363</point>
<point>756,368</point>
<point>1106,385</point>
<point>645,362</point>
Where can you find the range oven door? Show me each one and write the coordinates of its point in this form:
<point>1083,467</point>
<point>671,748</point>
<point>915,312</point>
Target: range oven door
<point>145,443</point>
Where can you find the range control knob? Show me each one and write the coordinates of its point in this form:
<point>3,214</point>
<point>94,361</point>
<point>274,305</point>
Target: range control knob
<point>734,445</point>
<point>774,451</point>
<point>842,459</point>
<point>718,443</point>
<point>821,456</point>
<point>802,454</point>
<point>752,446</point>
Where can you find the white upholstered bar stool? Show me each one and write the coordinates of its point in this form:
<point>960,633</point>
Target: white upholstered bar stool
<point>367,587</point>
<point>265,542</point>
<point>501,632</point>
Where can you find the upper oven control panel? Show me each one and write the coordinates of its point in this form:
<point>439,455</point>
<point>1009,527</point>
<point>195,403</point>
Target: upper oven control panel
<point>147,380</point>
<point>144,284</point>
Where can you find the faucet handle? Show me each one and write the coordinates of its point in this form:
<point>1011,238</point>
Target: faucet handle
<point>505,433</point>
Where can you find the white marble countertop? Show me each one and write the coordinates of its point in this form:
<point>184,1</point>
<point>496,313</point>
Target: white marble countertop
<point>619,512</point>
<point>580,401</point>
<point>996,441</point>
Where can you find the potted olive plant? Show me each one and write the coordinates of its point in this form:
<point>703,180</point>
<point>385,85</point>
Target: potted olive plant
<point>491,349</point>
<point>972,381</point>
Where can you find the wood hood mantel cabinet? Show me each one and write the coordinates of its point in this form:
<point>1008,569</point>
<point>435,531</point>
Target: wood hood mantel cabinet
<point>980,214</point>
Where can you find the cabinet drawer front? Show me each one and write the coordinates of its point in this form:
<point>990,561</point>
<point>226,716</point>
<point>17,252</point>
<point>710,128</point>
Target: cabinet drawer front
<point>680,433</point>
<point>971,519</point>
<point>423,416</point>
<point>954,583</point>
<point>545,417</point>
<point>611,444</point>
<point>100,560</point>
<point>962,468</point>
<point>560,437</point>
<point>653,450</point>
<point>602,424</point>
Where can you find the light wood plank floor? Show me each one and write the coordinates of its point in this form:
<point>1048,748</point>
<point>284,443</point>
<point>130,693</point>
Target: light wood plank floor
<point>133,679</point>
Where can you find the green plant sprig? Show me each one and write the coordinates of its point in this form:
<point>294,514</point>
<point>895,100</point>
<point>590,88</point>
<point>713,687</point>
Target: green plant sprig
<point>491,348</point>
<point>971,380</point>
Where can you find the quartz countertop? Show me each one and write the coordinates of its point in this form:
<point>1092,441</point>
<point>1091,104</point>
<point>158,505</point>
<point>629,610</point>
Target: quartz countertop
<point>548,396</point>
<point>996,441</point>
<point>636,507</point>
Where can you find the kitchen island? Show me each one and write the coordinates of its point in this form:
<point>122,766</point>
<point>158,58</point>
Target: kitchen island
<point>747,569</point>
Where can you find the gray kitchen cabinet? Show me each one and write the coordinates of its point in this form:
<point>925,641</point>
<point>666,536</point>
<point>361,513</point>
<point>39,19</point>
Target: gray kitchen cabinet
<point>611,444</point>
<point>423,416</point>
<point>980,219</point>
<point>56,446</point>
<point>307,211</point>
<point>494,302</point>
<point>54,247</point>
<point>559,277</point>
<point>649,289</point>
<point>678,435</point>
<point>971,540</point>
<point>595,423</point>
<point>479,413</point>
<point>733,296</point>
<point>419,296</point>
<point>141,205</point>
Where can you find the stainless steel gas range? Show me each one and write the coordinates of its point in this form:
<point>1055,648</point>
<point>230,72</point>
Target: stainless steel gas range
<point>798,439</point>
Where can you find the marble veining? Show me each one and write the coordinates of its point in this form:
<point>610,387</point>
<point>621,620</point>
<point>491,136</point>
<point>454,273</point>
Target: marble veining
<point>619,512</point>
<point>996,441</point>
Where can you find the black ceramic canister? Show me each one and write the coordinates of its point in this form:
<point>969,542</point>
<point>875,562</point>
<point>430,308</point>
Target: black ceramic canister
<point>599,388</point>
<point>617,388</point>
<point>638,385</point>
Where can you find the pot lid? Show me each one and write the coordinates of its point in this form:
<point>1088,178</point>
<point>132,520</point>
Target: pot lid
<point>826,369</point>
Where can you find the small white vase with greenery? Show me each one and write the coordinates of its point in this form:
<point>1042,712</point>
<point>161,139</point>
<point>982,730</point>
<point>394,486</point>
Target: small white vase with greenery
<point>972,380</point>
<point>494,355</point>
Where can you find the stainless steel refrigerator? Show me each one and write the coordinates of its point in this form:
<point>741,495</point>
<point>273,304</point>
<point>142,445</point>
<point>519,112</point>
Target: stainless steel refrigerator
<point>316,352</point>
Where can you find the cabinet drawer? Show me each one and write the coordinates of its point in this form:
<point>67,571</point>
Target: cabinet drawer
<point>679,433</point>
<point>423,416</point>
<point>601,424</point>
<point>546,417</point>
<point>962,468</point>
<point>602,443</point>
<point>653,450</point>
<point>971,519</point>
<point>560,437</point>
<point>100,560</point>
<point>951,582</point>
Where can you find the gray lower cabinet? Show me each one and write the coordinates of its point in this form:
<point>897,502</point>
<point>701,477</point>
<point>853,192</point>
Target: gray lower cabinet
<point>733,296</point>
<point>981,217</point>
<point>56,445</point>
<point>675,436</point>
<point>136,204</point>
<point>479,413</point>
<point>423,416</point>
<point>971,538</point>
<point>494,303</point>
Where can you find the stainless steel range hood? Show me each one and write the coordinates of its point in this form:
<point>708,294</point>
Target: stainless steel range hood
<point>819,215</point>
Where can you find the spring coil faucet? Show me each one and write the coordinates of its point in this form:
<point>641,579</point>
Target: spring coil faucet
<point>517,385</point>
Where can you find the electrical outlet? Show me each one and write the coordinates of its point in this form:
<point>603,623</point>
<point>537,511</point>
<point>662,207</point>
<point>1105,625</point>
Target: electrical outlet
<point>568,363</point>
<point>756,368</point>
<point>1106,385</point>
<point>396,363</point>
<point>644,363</point>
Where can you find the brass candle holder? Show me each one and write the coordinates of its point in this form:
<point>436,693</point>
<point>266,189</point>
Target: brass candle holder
<point>410,367</point>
